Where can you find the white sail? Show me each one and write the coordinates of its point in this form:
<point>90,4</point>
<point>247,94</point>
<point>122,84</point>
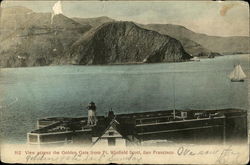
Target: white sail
<point>57,8</point>
<point>241,74</point>
<point>237,74</point>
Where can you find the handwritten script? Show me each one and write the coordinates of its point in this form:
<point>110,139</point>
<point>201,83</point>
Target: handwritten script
<point>223,155</point>
<point>78,157</point>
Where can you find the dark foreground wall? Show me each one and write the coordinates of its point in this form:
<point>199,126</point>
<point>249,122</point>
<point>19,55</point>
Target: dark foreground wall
<point>236,127</point>
<point>229,128</point>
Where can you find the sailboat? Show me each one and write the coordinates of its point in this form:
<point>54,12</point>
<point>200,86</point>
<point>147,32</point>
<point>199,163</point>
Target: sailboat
<point>237,75</point>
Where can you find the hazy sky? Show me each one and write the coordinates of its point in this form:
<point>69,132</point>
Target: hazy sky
<point>212,18</point>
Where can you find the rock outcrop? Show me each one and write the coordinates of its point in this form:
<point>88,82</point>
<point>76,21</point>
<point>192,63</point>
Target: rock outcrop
<point>125,42</point>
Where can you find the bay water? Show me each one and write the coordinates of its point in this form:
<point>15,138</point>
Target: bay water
<point>27,94</point>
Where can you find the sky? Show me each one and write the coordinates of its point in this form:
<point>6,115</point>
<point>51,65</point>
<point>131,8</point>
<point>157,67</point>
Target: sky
<point>224,18</point>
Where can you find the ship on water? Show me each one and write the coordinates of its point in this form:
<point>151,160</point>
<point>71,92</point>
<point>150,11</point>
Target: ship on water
<point>163,127</point>
<point>237,75</point>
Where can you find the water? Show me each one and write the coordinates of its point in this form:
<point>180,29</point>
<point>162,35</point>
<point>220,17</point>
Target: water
<point>36,92</point>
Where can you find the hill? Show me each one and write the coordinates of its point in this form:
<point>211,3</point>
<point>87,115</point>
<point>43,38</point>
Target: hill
<point>34,39</point>
<point>125,42</point>
<point>94,22</point>
<point>222,45</point>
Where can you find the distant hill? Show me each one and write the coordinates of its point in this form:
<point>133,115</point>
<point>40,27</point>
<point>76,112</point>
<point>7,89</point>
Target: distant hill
<point>94,22</point>
<point>125,42</point>
<point>190,46</point>
<point>33,39</point>
<point>196,49</point>
<point>222,45</point>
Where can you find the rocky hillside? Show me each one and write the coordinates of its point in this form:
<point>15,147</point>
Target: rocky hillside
<point>196,49</point>
<point>34,39</point>
<point>125,42</point>
<point>222,45</point>
<point>94,22</point>
<point>190,46</point>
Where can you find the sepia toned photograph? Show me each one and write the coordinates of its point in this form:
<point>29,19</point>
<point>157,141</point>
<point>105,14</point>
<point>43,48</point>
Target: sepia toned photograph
<point>128,82</point>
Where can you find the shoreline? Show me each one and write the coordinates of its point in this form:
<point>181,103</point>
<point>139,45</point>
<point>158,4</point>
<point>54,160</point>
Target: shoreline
<point>129,63</point>
<point>123,64</point>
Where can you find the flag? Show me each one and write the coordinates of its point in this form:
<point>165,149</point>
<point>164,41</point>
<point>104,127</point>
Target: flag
<point>57,8</point>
